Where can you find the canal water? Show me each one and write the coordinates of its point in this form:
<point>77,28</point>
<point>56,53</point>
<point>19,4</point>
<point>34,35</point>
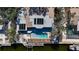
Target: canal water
<point>47,47</point>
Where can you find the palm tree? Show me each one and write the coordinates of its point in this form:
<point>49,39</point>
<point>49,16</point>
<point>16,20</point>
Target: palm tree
<point>60,20</point>
<point>57,15</point>
<point>11,34</point>
<point>8,13</point>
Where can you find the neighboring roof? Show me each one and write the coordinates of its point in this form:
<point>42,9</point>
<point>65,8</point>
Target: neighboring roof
<point>75,18</point>
<point>75,10</point>
<point>51,12</point>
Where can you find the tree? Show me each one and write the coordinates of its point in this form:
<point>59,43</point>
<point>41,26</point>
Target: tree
<point>10,14</point>
<point>11,34</point>
<point>1,22</point>
<point>58,14</point>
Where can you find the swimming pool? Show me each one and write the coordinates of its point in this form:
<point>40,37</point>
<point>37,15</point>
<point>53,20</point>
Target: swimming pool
<point>39,36</point>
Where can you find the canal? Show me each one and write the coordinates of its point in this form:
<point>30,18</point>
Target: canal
<point>47,47</point>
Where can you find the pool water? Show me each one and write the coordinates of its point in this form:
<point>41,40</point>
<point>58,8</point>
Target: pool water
<point>70,32</point>
<point>42,36</point>
<point>39,36</point>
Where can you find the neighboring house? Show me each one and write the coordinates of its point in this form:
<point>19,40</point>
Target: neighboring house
<point>4,41</point>
<point>34,25</point>
<point>3,37</point>
<point>71,35</point>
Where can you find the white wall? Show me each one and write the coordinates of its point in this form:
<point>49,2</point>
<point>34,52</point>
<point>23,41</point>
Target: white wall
<point>47,21</point>
<point>2,36</point>
<point>78,26</point>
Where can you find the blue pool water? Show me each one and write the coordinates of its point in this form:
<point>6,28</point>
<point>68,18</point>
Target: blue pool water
<point>40,36</point>
<point>37,33</point>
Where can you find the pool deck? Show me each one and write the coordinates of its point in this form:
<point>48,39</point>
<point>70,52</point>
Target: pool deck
<point>47,40</point>
<point>39,41</point>
<point>29,39</point>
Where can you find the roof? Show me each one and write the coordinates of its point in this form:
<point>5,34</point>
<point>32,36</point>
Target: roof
<point>75,12</point>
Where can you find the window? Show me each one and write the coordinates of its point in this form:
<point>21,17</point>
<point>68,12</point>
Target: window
<point>35,21</point>
<point>22,26</point>
<point>39,21</point>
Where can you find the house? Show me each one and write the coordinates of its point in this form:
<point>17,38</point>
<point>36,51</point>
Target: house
<point>71,34</point>
<point>34,25</point>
